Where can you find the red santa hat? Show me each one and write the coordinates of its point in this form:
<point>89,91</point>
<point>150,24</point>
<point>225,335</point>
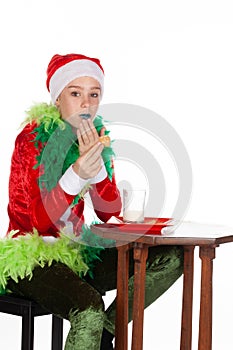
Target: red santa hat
<point>62,69</point>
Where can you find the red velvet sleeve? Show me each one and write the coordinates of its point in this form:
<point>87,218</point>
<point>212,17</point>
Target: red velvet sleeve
<point>106,199</point>
<point>28,206</point>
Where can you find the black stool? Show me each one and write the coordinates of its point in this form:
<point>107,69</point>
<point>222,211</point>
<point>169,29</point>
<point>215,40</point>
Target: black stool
<point>28,309</point>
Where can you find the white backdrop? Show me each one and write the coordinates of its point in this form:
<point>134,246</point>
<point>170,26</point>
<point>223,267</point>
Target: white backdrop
<point>173,57</point>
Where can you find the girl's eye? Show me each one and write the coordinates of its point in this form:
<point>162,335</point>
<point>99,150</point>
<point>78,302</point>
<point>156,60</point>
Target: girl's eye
<point>95,94</point>
<point>75,93</point>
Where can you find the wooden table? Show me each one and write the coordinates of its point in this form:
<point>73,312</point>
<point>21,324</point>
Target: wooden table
<point>188,235</point>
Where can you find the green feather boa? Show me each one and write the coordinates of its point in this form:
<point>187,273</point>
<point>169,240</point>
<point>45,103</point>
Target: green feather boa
<point>19,256</point>
<point>59,149</point>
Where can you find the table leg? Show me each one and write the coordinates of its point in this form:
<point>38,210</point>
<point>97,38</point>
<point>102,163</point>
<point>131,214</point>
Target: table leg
<point>207,254</point>
<point>187,307</point>
<point>121,340</point>
<point>140,257</point>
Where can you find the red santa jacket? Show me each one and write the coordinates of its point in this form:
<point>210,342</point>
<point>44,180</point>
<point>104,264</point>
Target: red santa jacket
<point>30,207</point>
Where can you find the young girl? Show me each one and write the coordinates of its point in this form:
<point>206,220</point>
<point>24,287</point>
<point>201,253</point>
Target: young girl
<point>50,254</point>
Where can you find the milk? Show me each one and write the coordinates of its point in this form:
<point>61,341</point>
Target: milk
<point>133,216</point>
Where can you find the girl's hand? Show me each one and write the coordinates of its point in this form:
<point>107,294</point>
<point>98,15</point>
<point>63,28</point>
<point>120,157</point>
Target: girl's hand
<point>87,135</point>
<point>89,163</point>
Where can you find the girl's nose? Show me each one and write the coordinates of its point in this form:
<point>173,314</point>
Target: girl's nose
<point>85,102</point>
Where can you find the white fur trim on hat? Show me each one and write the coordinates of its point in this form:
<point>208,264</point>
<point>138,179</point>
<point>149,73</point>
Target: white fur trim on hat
<point>72,70</point>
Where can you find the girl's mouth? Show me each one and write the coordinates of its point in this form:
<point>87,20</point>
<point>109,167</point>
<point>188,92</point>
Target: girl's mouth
<point>85,115</point>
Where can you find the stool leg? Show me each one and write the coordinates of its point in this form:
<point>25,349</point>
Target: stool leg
<point>57,332</point>
<point>27,329</point>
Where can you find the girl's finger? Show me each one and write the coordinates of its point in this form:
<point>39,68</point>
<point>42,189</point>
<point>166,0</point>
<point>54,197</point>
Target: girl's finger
<point>102,131</point>
<point>83,133</point>
<point>94,132</point>
<point>79,136</point>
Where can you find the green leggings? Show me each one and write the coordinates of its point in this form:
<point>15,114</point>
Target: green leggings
<point>62,292</point>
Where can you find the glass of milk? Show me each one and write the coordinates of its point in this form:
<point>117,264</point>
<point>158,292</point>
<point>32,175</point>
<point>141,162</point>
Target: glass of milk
<point>133,205</point>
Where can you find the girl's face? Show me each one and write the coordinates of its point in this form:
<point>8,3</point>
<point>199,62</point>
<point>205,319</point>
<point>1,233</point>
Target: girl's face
<point>79,100</point>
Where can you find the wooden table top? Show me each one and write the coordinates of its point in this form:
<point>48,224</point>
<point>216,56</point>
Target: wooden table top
<point>184,233</point>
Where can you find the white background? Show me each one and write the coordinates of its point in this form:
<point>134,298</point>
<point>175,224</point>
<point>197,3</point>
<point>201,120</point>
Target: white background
<point>173,57</point>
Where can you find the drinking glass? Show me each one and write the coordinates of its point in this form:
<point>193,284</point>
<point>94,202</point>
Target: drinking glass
<point>133,205</point>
